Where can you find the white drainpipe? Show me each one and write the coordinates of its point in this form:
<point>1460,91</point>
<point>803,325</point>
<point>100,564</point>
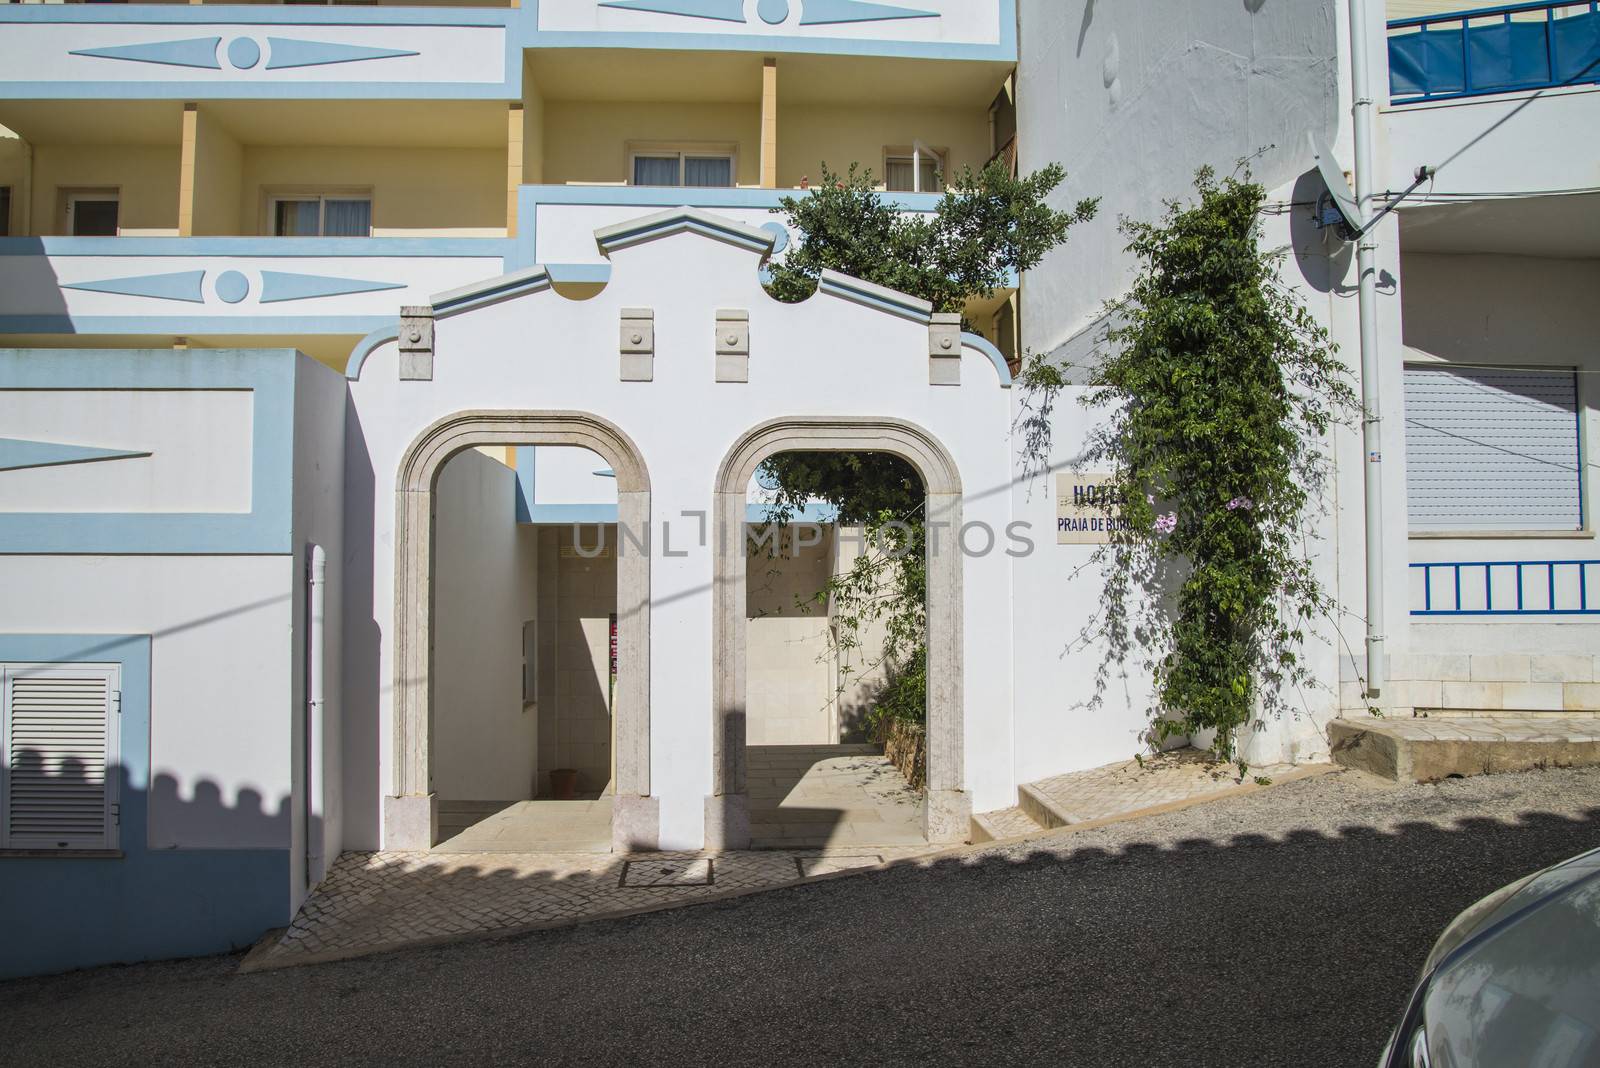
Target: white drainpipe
<point>315,640</point>
<point>1371,363</point>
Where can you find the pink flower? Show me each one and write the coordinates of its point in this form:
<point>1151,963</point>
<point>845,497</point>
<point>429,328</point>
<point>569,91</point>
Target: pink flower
<point>1241,502</point>
<point>1166,524</point>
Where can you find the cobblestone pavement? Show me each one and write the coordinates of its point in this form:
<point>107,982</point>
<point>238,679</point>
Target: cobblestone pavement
<point>1269,927</point>
<point>1118,789</point>
<point>372,902</point>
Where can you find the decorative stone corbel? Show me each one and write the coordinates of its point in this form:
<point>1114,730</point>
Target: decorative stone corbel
<point>944,349</point>
<point>416,343</point>
<point>733,345</point>
<point>638,344</point>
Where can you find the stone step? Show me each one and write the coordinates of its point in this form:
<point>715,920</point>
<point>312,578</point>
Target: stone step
<point>1042,808</point>
<point>1427,749</point>
<point>1001,824</point>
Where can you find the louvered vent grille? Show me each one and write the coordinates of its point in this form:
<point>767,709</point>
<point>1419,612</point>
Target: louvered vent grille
<point>1492,449</point>
<point>58,727</point>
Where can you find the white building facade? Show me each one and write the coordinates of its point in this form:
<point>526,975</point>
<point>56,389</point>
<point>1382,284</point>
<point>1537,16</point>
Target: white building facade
<point>382,391</point>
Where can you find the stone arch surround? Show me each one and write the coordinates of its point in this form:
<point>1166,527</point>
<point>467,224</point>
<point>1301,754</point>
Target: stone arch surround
<point>948,808</point>
<point>411,812</point>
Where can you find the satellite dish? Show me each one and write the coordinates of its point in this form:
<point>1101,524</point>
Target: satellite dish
<point>1336,207</point>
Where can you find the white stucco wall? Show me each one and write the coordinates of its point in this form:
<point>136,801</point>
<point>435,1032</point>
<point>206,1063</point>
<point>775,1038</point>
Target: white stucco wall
<point>485,580</point>
<point>1132,98</point>
<point>220,670</point>
<point>828,356</point>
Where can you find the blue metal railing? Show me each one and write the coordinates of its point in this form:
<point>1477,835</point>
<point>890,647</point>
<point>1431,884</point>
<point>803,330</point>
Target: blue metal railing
<point>1491,50</point>
<point>1541,588</point>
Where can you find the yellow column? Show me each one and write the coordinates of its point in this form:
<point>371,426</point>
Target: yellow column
<point>191,124</point>
<point>769,123</point>
<point>513,164</point>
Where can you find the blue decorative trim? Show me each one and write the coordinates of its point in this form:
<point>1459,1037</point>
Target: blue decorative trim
<point>264,247</point>
<point>358,355</point>
<point>572,513</point>
<point>147,904</point>
<point>982,344</point>
<point>226,325</point>
<point>17,454</point>
<point>239,14</point>
<point>195,52</point>
<point>647,196</point>
<point>277,287</point>
<point>287,52</point>
<point>780,236</point>
<point>515,284</point>
<point>813,512</point>
<point>266,528</point>
<point>579,272</point>
<point>870,295</point>
<point>683,220</point>
<point>724,10</point>
<point>244,53</point>
<point>822,12</point>
<point>232,287</point>
<point>180,285</point>
<point>773,12</point>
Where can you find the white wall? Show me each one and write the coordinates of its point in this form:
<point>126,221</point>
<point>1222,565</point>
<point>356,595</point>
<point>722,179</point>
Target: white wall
<point>485,742</point>
<point>318,520</point>
<point>789,677</point>
<point>1132,98</point>
<point>220,671</point>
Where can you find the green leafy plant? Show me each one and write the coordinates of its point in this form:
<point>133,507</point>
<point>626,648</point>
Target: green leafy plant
<point>1220,389</point>
<point>988,227</point>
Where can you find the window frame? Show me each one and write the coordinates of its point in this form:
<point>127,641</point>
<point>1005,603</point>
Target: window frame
<point>907,153</point>
<point>685,150</point>
<point>320,194</point>
<point>71,197</point>
<point>113,763</point>
<point>1581,400</point>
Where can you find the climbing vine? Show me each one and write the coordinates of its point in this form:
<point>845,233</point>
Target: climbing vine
<point>1220,390</point>
<point>990,226</point>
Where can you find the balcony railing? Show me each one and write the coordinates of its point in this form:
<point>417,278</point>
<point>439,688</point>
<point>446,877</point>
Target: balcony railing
<point>1507,588</point>
<point>1494,50</point>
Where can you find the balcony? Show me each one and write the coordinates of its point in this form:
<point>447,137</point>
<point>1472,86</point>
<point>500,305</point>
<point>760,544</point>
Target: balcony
<point>1515,48</point>
<point>167,51</point>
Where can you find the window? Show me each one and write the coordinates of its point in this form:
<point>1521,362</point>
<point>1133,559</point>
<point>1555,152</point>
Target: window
<point>58,725</point>
<point>696,166</point>
<point>92,213</point>
<point>316,215</point>
<point>912,170</point>
<point>1492,449</point>
<point>5,211</point>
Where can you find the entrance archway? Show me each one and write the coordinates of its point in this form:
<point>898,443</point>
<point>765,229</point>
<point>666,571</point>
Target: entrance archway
<point>411,813</point>
<point>947,812</point>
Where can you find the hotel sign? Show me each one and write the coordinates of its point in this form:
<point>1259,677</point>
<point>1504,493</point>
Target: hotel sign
<point>1087,508</point>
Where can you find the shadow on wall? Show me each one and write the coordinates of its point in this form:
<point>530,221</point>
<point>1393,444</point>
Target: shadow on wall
<point>31,299</point>
<point>134,902</point>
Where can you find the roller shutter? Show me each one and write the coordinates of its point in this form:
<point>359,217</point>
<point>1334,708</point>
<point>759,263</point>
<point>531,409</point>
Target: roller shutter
<point>1490,449</point>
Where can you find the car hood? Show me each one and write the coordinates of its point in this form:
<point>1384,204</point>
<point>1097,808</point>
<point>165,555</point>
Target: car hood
<point>1510,900</point>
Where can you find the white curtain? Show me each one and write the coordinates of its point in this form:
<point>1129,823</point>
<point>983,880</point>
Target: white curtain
<point>347,218</point>
<point>655,170</point>
<point>708,171</point>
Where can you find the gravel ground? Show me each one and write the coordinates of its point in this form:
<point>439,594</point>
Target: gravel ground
<point>1283,927</point>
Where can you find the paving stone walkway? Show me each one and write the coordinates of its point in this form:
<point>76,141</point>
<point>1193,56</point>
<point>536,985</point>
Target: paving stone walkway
<point>373,902</point>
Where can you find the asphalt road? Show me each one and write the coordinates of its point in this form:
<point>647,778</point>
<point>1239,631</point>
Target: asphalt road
<point>1281,928</point>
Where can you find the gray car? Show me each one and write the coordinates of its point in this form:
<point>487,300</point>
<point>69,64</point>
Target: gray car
<point>1513,981</point>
